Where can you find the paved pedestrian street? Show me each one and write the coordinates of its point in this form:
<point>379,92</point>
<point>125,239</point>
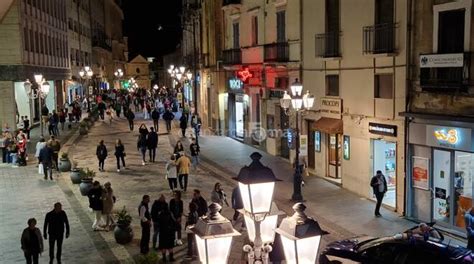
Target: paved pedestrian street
<point>339,212</point>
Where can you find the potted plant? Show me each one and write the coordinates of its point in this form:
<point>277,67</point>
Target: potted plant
<point>64,162</point>
<point>150,258</point>
<point>76,175</point>
<point>83,128</point>
<point>87,176</point>
<point>88,121</point>
<point>123,233</point>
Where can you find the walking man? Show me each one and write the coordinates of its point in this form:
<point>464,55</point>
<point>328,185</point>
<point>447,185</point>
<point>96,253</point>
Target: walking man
<point>145,221</point>
<point>195,150</point>
<point>183,124</point>
<point>152,143</point>
<point>45,157</point>
<point>95,203</point>
<point>130,117</point>
<point>379,186</point>
<point>200,202</point>
<point>55,146</point>
<point>155,115</point>
<point>31,242</point>
<point>168,117</point>
<point>183,164</point>
<point>54,224</point>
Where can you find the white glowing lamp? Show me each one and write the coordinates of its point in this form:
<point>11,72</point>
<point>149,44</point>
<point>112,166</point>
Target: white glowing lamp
<point>267,226</point>
<point>182,69</point>
<point>45,88</point>
<point>296,88</point>
<point>308,100</point>
<point>38,78</point>
<point>285,101</point>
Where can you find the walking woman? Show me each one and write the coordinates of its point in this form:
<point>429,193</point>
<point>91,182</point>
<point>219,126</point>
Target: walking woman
<point>172,173</point>
<point>119,154</point>
<point>166,236</point>
<point>219,196</point>
<point>101,153</point>
<point>143,130</point>
<point>178,149</point>
<point>108,200</point>
<point>39,146</point>
<point>176,208</point>
<point>130,117</point>
<point>141,146</point>
<point>183,124</point>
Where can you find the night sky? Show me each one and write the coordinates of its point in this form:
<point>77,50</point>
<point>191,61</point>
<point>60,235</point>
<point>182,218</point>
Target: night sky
<point>141,23</point>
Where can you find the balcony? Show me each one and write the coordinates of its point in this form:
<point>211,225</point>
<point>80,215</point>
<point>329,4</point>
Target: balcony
<point>328,45</point>
<point>276,52</point>
<point>379,39</point>
<point>232,56</point>
<point>445,72</point>
<point>231,2</point>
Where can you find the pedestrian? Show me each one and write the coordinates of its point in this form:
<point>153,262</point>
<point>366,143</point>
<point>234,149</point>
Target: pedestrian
<point>152,144</point>
<point>141,146</point>
<point>178,149</point>
<point>3,147</point>
<point>155,115</point>
<point>26,125</point>
<point>120,154</point>
<point>143,130</point>
<point>95,203</point>
<point>109,114</point>
<point>237,204</point>
<point>62,118</point>
<point>31,242</point>
<point>56,147</point>
<point>39,146</point>
<point>200,202</point>
<point>145,221</point>
<point>171,173</point>
<point>218,195</point>
<point>183,124</point>
<point>108,200</point>
<point>156,209</point>
<point>469,222</point>
<point>45,157</point>
<point>54,224</point>
<point>118,109</point>
<point>51,129</point>
<point>130,118</point>
<point>168,116</point>
<point>379,187</point>
<point>167,234</point>
<point>196,123</point>
<point>44,114</point>
<point>176,208</point>
<point>183,164</point>
<point>55,123</point>
<point>101,153</point>
<point>101,107</point>
<point>195,150</point>
<point>190,221</point>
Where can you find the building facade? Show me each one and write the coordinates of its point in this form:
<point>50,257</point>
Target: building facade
<point>439,115</point>
<point>138,69</point>
<point>33,39</point>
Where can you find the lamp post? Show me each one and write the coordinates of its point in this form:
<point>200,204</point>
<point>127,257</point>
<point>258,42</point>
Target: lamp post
<point>256,185</point>
<point>300,236</point>
<point>180,75</point>
<point>86,73</point>
<point>213,235</point>
<point>40,90</point>
<point>119,74</point>
<point>299,103</point>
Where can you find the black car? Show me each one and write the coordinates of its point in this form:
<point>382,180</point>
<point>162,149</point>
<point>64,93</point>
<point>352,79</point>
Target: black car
<point>398,249</point>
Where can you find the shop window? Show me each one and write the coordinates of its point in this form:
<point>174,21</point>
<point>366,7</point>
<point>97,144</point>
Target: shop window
<point>335,152</point>
<point>235,35</point>
<point>281,26</point>
<point>26,39</point>
<point>463,183</point>
<point>385,160</point>
<point>383,86</point>
<point>332,85</point>
<point>254,30</point>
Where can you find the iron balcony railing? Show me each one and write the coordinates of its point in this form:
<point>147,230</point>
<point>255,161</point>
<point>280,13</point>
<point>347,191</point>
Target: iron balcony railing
<point>379,38</point>
<point>276,52</point>
<point>446,78</point>
<point>232,56</point>
<point>328,45</point>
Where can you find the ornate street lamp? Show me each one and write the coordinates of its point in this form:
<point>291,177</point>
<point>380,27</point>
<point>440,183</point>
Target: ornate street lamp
<point>256,185</point>
<point>299,103</point>
<point>267,226</point>
<point>39,90</point>
<point>213,235</point>
<point>155,87</point>
<point>300,236</point>
<point>86,73</point>
<point>189,75</point>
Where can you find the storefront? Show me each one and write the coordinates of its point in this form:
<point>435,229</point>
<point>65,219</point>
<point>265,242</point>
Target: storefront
<point>236,108</point>
<point>440,171</point>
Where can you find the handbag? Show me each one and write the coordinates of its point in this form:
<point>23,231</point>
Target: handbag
<point>124,154</point>
<point>40,168</point>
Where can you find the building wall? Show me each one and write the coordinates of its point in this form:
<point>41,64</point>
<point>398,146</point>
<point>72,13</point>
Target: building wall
<point>79,35</point>
<point>10,36</point>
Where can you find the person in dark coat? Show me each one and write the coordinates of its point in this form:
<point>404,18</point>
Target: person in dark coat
<point>141,146</point>
<point>32,242</point>
<point>167,224</point>
<point>191,220</point>
<point>237,204</point>
<point>200,202</point>
<point>183,124</point>
<point>46,159</point>
<point>95,203</point>
<point>155,115</point>
<point>130,118</point>
<point>178,149</point>
<point>101,107</point>
<point>54,224</point>
<point>176,208</point>
<point>152,144</point>
<point>156,209</point>
<point>101,153</point>
<point>379,186</point>
<point>119,154</point>
<point>168,116</point>
<point>143,130</point>
<point>145,221</point>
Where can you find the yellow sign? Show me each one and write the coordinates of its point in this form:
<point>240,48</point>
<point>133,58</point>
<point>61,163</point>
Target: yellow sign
<point>449,136</point>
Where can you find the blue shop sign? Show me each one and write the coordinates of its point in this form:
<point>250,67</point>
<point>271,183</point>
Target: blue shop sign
<point>235,84</point>
<point>449,137</point>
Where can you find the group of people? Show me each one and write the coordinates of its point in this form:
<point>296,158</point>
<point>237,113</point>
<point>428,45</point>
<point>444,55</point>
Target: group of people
<point>13,145</point>
<point>101,201</point>
<point>47,154</point>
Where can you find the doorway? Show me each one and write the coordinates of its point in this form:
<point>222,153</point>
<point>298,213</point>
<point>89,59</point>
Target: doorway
<point>384,159</point>
<point>239,119</point>
<point>334,155</point>
<point>311,149</point>
<point>285,125</point>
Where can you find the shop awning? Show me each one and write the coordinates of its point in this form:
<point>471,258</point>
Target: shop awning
<point>328,125</point>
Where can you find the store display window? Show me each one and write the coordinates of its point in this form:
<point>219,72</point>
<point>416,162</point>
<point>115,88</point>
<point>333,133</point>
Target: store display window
<point>385,160</point>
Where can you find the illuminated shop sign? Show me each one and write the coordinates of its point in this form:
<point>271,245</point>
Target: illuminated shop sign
<point>383,129</point>
<point>449,137</point>
<point>235,84</point>
<point>244,75</point>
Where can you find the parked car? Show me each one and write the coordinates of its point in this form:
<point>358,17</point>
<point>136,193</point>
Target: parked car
<point>398,249</point>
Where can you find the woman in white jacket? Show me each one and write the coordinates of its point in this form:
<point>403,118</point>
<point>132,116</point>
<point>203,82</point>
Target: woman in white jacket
<point>39,146</point>
<point>171,173</point>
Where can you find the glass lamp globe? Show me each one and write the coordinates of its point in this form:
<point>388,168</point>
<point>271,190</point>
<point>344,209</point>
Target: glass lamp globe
<point>27,85</point>
<point>296,88</point>
<point>182,69</point>
<point>45,88</point>
<point>308,100</point>
<point>285,101</point>
<point>38,78</point>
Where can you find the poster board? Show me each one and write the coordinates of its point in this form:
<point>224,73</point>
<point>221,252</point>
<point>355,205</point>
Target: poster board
<point>304,145</point>
<point>420,173</point>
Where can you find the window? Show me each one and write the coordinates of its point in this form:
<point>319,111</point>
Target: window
<point>72,56</point>
<point>37,42</point>
<point>70,23</point>
<point>32,41</point>
<point>383,12</point>
<point>26,40</point>
<point>235,35</point>
<point>332,85</point>
<point>383,86</point>
<point>42,43</point>
<point>281,26</point>
<point>332,16</point>
<point>254,30</point>
<point>137,70</point>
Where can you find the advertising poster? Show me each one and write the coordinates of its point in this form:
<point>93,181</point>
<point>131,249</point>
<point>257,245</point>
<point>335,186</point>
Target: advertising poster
<point>346,148</point>
<point>317,141</point>
<point>420,173</point>
<point>304,145</point>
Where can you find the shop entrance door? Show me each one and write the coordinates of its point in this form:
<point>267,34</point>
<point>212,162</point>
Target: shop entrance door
<point>310,146</point>
<point>284,124</point>
<point>385,159</point>
<point>334,155</point>
<point>239,119</point>
<point>442,198</point>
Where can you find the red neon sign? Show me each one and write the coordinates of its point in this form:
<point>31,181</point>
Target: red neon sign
<point>244,74</point>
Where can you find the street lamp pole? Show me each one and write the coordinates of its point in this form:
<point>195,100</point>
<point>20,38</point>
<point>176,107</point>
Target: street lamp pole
<point>195,68</point>
<point>41,90</point>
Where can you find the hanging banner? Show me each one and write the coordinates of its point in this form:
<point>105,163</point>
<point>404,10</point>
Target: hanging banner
<point>304,145</point>
<point>420,176</point>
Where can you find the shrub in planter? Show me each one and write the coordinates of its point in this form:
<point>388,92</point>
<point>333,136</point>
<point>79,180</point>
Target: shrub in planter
<point>123,233</point>
<point>86,181</point>
<point>83,128</point>
<point>76,175</point>
<point>64,163</point>
<point>150,258</point>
